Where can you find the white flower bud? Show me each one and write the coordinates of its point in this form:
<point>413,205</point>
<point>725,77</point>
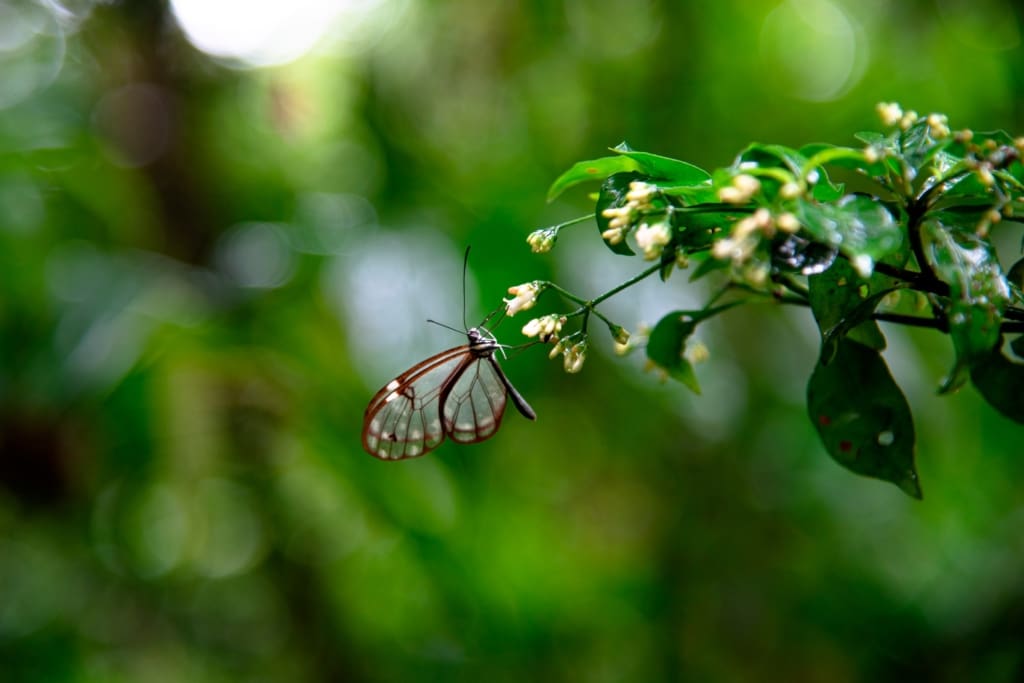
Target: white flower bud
<point>652,239</point>
<point>889,112</point>
<point>524,297</point>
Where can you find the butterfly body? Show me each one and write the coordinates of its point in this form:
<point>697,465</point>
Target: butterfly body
<point>459,393</point>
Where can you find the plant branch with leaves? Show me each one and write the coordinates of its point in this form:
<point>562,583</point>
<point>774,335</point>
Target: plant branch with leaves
<point>912,248</point>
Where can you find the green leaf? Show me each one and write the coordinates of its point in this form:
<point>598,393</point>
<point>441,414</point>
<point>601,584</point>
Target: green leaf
<point>825,190</point>
<point>777,156</point>
<point>666,345</point>
<point>709,265</point>
<point>821,153</point>
<point>665,170</point>
<point>862,417</point>
<point>1015,277</point>
<point>594,169</point>
<point>697,228</point>
<point>858,226</point>
<point>613,194</point>
<point>1001,381</point>
<point>870,137</point>
<point>979,293</point>
<point>667,342</point>
<point>843,302</point>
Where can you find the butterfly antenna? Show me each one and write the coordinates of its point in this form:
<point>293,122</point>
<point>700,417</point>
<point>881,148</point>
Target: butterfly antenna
<point>447,327</point>
<point>465,267</point>
<point>490,315</point>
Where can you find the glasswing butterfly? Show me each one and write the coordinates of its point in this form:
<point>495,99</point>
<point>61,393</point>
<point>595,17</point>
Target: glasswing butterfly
<point>459,393</point>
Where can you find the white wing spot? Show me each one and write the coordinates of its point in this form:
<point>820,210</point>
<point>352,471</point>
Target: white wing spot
<point>413,450</point>
<point>391,397</point>
<point>435,427</point>
<point>485,422</point>
<point>383,452</point>
<point>375,425</point>
<point>392,385</point>
<point>372,442</point>
<point>464,426</point>
<point>415,434</point>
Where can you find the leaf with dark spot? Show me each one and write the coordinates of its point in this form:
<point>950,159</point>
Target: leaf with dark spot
<point>862,417</point>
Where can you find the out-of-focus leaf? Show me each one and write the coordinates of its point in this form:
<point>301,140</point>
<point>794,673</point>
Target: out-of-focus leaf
<point>1001,382</point>
<point>842,303</point>
<point>1017,345</point>
<point>666,170</point>
<point>826,191</point>
<point>871,137</point>
<point>667,342</point>
<point>666,345</point>
<point>862,417</point>
<point>594,169</point>
<point>698,229</point>
<point>979,294</point>
<point>613,194</point>
<point>858,226</point>
<point>821,153</point>
<point>1016,275</point>
<point>709,265</point>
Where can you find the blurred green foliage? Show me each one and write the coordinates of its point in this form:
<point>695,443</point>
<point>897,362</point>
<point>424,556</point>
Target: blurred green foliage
<point>208,268</point>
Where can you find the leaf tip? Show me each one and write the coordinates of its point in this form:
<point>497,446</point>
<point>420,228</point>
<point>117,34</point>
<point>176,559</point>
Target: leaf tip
<point>910,485</point>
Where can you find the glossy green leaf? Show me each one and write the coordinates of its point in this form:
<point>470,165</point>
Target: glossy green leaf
<point>858,226</point>
<point>613,194</point>
<point>665,170</point>
<point>1001,381</point>
<point>843,302</point>
<point>862,417</point>
<point>594,169</point>
<point>979,293</point>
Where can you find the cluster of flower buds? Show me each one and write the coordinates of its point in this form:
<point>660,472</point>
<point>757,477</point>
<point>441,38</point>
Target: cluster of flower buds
<point>639,199</point>
<point>740,191</point>
<point>546,328</point>
<point>524,296</point>
<point>573,354</point>
<point>892,115</point>
<point>746,234</point>
<point>652,238</point>
<point>542,240</point>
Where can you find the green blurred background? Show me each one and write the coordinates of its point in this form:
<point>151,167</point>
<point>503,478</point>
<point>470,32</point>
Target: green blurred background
<point>222,226</point>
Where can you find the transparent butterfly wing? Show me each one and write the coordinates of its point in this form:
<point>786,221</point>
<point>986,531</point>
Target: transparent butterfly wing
<point>475,404</point>
<point>403,419</point>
